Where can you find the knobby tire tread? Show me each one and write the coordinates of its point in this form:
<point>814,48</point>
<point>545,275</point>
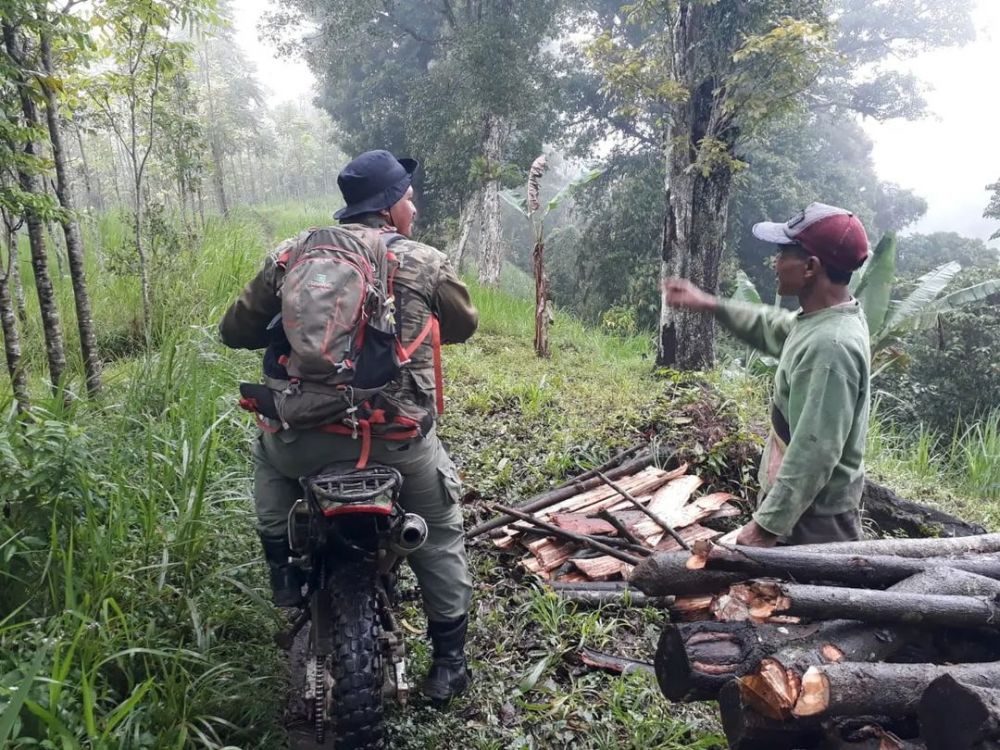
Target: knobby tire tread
<point>357,715</point>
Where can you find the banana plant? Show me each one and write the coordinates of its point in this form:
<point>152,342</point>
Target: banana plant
<point>890,319</point>
<point>529,206</point>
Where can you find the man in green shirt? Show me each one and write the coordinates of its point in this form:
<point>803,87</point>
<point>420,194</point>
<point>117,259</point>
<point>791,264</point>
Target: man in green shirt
<point>812,471</point>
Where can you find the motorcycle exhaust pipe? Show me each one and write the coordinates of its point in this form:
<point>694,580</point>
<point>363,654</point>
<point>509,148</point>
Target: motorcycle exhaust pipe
<point>410,535</point>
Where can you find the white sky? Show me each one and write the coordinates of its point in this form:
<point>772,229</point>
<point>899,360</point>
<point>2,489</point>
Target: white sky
<point>947,158</point>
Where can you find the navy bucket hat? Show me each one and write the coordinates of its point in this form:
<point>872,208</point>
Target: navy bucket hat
<point>373,181</point>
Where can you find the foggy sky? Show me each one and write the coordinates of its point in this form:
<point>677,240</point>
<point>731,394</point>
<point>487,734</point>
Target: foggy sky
<point>948,157</point>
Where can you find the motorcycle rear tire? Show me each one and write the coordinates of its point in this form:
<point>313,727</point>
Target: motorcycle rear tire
<point>357,718</point>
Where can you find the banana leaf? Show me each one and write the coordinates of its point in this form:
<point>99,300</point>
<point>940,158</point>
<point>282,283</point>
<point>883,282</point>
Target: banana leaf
<point>745,290</point>
<point>875,290</point>
<point>516,199</point>
<point>970,295</point>
<point>929,286</point>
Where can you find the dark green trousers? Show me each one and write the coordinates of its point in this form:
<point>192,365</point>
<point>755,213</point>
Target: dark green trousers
<point>431,488</point>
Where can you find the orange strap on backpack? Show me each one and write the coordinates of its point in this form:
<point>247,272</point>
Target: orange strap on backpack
<point>432,329</point>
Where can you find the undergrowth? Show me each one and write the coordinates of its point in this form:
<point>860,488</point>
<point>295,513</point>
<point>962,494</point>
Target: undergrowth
<point>132,597</point>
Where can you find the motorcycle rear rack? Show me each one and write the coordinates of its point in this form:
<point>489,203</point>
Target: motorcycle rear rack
<point>365,486</point>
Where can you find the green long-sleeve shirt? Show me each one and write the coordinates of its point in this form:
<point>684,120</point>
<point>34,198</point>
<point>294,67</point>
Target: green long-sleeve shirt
<point>814,456</point>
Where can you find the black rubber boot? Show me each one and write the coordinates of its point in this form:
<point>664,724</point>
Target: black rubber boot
<point>286,579</point>
<point>449,675</point>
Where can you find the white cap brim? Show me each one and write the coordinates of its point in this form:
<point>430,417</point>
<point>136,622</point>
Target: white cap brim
<point>773,232</point>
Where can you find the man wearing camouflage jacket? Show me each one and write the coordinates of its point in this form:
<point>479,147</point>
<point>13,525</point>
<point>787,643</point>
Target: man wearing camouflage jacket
<point>377,192</point>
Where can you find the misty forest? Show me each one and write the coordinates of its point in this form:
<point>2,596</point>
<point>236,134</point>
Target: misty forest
<point>574,154</point>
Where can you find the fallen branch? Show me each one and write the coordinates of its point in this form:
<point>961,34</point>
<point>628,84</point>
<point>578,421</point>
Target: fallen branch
<point>612,663</point>
<point>563,534</point>
<point>640,507</point>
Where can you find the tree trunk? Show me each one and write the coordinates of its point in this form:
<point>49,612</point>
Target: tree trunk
<point>14,270</point>
<point>955,716</point>
<point>541,300</point>
<point>871,571</point>
<point>87,180</point>
<point>71,230</point>
<point>769,598</point>
<point>218,175</point>
<point>468,219</point>
<point>854,689</point>
<point>491,243</point>
<point>919,548</point>
<point>8,322</point>
<point>696,198</point>
<point>51,326</point>
<point>892,513</point>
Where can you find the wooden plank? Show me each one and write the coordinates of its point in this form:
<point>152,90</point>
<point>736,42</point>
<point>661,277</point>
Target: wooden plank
<point>671,504</point>
<point>575,503</point>
<point>692,608</point>
<point>532,565</point>
<point>690,534</point>
<point>573,576</point>
<point>581,524</point>
<point>550,554</point>
<point>601,568</point>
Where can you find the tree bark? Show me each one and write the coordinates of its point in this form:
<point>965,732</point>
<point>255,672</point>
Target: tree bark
<point>8,322</point>
<point>769,598</point>
<point>872,571</point>
<point>696,197</point>
<point>71,229</point>
<point>666,574</point>
<point>218,176</point>
<point>920,548</point>
<point>491,243</point>
<point>956,716</point>
<point>855,689</point>
<point>892,513</point>
<point>51,325</point>
<point>467,220</point>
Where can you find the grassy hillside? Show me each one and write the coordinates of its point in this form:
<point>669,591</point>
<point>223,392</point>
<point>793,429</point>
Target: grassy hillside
<point>132,597</point>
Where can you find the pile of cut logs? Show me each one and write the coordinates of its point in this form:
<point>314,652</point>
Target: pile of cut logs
<point>884,644</point>
<point>599,526</point>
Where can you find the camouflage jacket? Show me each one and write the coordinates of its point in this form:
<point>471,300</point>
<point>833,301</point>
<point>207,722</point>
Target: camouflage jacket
<point>425,284</point>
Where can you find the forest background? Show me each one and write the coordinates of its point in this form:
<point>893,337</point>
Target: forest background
<point>143,175</point>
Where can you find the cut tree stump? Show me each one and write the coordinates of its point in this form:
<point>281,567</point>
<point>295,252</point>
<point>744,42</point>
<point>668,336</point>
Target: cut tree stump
<point>957,716</point>
<point>855,689</point>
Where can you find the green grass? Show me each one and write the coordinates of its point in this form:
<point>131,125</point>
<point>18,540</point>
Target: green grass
<point>132,611</point>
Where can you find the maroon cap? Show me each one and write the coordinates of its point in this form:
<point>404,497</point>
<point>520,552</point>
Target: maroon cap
<point>834,235</point>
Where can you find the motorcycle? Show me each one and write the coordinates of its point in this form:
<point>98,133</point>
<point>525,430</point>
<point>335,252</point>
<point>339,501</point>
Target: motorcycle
<point>349,535</point>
